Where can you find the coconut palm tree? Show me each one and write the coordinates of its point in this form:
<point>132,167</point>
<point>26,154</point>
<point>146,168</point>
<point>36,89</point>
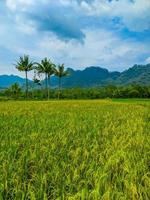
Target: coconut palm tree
<point>51,71</point>
<point>60,72</point>
<point>46,67</point>
<point>25,65</point>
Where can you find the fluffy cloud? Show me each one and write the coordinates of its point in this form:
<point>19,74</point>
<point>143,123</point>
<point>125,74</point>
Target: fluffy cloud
<point>18,4</point>
<point>100,47</point>
<point>43,15</point>
<point>147,61</point>
<point>134,15</point>
<point>75,15</point>
<point>79,33</point>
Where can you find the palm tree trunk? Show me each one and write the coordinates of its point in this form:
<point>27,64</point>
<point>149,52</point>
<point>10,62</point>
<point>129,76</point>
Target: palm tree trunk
<point>26,84</point>
<point>48,87</point>
<point>59,88</point>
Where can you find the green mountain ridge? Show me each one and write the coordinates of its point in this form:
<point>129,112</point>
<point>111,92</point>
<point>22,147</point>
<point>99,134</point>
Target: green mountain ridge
<point>92,77</point>
<point>139,74</point>
<point>97,76</point>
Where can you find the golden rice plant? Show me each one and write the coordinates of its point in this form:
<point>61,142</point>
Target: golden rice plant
<point>71,150</point>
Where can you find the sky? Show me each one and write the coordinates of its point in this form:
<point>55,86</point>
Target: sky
<point>114,34</point>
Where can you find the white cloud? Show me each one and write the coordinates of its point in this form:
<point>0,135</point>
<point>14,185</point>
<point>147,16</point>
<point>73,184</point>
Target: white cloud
<point>147,61</point>
<point>23,4</point>
<point>101,48</point>
<point>24,26</point>
<point>15,4</point>
<point>136,16</point>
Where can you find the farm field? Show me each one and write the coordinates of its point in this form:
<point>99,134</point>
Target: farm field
<point>72,150</point>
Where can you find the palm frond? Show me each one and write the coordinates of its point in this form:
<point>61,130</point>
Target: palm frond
<point>24,64</point>
<point>60,71</point>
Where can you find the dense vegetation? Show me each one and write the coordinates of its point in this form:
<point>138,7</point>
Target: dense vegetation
<point>110,91</point>
<point>74,150</point>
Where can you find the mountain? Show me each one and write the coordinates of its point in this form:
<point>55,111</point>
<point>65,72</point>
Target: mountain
<point>7,80</point>
<point>92,77</point>
<point>89,77</point>
<point>97,76</point>
<point>138,74</point>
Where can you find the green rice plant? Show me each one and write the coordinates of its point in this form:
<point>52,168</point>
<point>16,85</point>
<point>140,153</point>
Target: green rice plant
<point>71,150</point>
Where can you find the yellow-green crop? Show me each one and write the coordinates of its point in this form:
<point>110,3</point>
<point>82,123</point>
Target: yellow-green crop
<point>74,150</point>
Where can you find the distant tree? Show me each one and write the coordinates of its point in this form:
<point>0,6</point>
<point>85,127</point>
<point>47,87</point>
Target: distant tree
<point>36,81</point>
<point>60,72</point>
<point>133,93</point>
<point>48,68</point>
<point>13,91</point>
<point>25,65</point>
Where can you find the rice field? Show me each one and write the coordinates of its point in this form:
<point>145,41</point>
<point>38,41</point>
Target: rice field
<point>72,150</point>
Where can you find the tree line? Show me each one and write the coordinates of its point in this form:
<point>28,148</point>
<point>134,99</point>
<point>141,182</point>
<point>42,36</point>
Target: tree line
<point>109,91</point>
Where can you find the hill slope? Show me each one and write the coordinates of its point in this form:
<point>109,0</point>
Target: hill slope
<point>96,76</point>
<point>7,80</point>
<point>92,77</point>
<point>139,74</point>
<point>89,77</point>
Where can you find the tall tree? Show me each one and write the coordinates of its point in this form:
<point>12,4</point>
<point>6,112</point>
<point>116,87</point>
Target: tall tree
<point>51,71</point>
<point>25,65</point>
<point>46,67</point>
<point>60,72</point>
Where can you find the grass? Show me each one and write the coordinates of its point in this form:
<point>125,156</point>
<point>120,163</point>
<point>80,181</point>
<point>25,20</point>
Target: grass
<point>74,150</point>
<point>135,101</point>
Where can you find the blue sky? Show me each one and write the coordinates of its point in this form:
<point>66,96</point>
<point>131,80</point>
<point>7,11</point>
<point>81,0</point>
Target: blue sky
<point>109,33</point>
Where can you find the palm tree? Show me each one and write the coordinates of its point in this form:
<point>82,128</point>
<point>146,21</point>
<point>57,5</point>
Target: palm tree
<point>60,72</point>
<point>25,65</point>
<point>46,67</point>
<point>51,71</point>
